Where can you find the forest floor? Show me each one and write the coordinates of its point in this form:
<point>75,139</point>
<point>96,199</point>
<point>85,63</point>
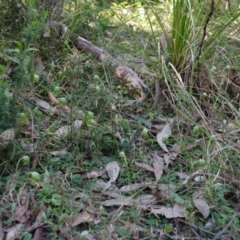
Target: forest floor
<point>110,144</point>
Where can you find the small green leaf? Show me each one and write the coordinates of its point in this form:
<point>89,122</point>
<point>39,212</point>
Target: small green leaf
<point>56,200</point>
<point>19,45</point>
<point>168,228</point>
<point>121,232</point>
<point>28,236</point>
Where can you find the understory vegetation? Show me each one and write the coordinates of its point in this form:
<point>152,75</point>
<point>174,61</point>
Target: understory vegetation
<point>119,119</point>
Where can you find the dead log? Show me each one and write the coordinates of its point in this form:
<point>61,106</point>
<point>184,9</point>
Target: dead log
<point>123,72</point>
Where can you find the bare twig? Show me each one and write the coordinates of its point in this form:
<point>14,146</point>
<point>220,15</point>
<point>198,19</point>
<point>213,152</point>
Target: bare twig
<point>202,40</point>
<point>205,27</point>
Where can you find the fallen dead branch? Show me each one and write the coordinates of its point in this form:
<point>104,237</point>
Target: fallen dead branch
<point>123,72</point>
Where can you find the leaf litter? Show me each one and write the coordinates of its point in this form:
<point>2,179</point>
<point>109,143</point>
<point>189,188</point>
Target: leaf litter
<point>165,133</point>
<point>201,204</point>
<point>145,195</point>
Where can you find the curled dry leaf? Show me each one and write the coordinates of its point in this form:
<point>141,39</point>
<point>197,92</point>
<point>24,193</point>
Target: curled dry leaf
<point>120,201</point>
<point>99,185</point>
<point>38,233</point>
<point>64,130</point>
<point>114,193</point>
<point>112,169</point>
<point>43,104</point>
<point>172,154</point>
<point>202,206</point>
<point>22,214</point>
<point>140,201</point>
<point>145,166</point>
<point>13,232</point>
<point>133,187</point>
<point>145,199</point>
<point>53,100</point>
<point>83,217</point>
<point>38,225</point>
<point>158,163</point>
<point>166,132</point>
<point>170,212</point>
<point>128,74</point>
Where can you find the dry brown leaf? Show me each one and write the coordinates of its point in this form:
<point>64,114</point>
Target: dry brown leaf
<point>128,74</point>
<point>175,150</point>
<point>38,226</point>
<point>158,163</point>
<point>54,100</point>
<point>64,130</point>
<point>43,104</point>
<point>38,233</point>
<point>83,217</point>
<point>133,187</point>
<point>114,193</point>
<point>166,132</point>
<point>170,212</point>
<point>112,169</point>
<point>22,214</point>
<point>145,199</point>
<point>120,201</point>
<point>167,160</point>
<point>140,201</point>
<point>202,206</point>
<point>144,166</point>
<point>13,232</point>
